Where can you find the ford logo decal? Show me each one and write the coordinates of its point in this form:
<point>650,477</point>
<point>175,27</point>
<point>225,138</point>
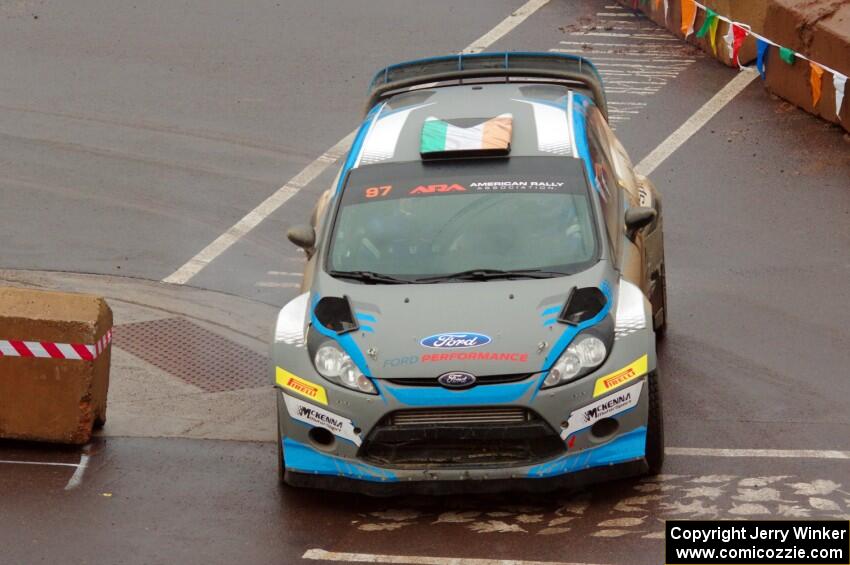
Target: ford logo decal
<point>455,340</point>
<point>456,379</point>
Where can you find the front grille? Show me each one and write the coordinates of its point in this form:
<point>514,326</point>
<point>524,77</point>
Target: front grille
<point>483,380</point>
<point>467,436</point>
<point>496,415</point>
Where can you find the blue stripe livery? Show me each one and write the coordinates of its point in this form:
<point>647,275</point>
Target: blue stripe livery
<point>305,459</point>
<point>627,447</point>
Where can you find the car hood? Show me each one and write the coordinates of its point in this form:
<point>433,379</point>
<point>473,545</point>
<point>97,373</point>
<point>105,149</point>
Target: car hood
<point>484,328</point>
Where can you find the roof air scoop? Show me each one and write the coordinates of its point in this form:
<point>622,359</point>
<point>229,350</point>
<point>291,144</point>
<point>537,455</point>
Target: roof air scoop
<point>582,304</point>
<point>467,137</point>
<point>335,313</point>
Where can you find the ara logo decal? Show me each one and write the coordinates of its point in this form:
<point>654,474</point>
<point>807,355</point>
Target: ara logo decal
<point>432,188</point>
<point>455,340</point>
<point>456,379</point>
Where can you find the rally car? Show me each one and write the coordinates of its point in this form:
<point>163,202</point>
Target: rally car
<point>484,287</point>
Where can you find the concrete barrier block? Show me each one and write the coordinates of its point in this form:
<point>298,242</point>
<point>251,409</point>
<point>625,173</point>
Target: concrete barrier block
<point>820,31</point>
<point>54,365</point>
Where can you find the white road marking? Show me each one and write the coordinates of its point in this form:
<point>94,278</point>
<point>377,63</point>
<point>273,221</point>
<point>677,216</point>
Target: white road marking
<point>77,478</point>
<point>322,555</point>
<point>266,284</point>
<point>284,274</point>
<point>505,26</point>
<point>251,220</point>
<point>2,462</point>
<point>768,453</point>
<point>696,121</point>
<point>647,37</point>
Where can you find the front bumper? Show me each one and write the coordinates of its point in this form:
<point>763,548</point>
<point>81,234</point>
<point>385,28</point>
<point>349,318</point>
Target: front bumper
<point>446,486</point>
<point>583,459</point>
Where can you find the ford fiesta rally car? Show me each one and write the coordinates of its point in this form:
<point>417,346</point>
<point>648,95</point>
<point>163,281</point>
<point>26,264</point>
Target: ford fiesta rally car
<point>484,286</point>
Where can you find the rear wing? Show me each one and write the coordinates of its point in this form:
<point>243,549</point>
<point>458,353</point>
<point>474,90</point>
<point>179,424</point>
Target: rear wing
<point>574,70</point>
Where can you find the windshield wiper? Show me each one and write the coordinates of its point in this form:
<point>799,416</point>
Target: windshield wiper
<point>369,277</point>
<point>492,274</point>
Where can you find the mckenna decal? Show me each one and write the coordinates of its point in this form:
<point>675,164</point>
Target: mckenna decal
<point>455,340</point>
<point>313,415</point>
<point>287,380</point>
<point>604,408</point>
<point>616,379</point>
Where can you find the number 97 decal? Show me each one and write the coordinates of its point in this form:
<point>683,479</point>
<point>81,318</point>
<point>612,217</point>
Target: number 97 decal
<point>378,191</point>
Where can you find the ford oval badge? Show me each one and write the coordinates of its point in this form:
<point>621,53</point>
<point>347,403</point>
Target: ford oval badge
<point>456,379</point>
<point>455,340</point>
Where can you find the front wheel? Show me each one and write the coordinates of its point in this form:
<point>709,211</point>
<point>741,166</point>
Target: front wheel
<point>654,427</point>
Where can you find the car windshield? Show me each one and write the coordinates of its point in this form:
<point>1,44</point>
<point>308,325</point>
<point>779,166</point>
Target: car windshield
<point>523,216</point>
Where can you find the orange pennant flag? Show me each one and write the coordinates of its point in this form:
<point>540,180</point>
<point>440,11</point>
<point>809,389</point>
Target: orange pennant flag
<point>815,80</point>
<point>689,16</point>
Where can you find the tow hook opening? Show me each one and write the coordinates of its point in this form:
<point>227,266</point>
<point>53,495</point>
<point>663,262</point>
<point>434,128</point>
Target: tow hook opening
<point>321,438</point>
<point>604,429</point>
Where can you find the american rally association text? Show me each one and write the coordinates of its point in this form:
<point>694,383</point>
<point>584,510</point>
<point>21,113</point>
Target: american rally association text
<point>744,532</point>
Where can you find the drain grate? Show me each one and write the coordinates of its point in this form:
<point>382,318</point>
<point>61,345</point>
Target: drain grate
<point>194,354</point>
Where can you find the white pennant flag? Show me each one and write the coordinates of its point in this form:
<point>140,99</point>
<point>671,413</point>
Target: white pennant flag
<point>729,39</point>
<point>838,81</point>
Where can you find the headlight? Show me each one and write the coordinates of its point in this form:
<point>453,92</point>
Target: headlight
<point>335,365</point>
<point>584,353</point>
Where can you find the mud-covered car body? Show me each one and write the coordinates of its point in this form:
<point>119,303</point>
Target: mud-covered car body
<point>452,369</point>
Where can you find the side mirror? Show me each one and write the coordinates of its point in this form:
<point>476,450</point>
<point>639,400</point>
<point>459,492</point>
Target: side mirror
<point>303,236</point>
<point>638,218</point>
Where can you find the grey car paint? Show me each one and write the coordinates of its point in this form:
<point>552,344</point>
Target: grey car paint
<point>506,311</point>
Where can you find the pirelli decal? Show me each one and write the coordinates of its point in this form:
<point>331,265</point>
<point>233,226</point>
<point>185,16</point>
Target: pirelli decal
<point>618,378</point>
<point>302,387</point>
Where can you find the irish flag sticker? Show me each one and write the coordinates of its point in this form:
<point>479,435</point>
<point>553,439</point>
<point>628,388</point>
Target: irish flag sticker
<point>443,139</point>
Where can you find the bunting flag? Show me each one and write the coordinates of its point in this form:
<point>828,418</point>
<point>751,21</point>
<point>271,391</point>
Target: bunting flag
<point>729,39</point>
<point>712,34</point>
<point>815,76</point>
<point>734,39</point>
<point>787,55</point>
<point>689,16</point>
<point>838,81</point>
<point>762,47</point>
<point>710,18</point>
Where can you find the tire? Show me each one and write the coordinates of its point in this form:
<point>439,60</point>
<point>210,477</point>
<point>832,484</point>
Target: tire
<point>660,327</point>
<point>654,427</point>
<point>281,464</point>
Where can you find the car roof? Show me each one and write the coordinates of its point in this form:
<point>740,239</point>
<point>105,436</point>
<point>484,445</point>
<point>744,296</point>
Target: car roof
<point>548,119</point>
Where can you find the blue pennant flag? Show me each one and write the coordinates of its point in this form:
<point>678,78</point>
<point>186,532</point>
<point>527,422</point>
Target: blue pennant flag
<point>762,54</point>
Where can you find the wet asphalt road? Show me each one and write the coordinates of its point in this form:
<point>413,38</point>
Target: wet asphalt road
<point>133,134</point>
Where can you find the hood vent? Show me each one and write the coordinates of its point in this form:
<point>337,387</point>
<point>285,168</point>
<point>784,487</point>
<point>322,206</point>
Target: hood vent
<point>335,313</point>
<point>582,304</point>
